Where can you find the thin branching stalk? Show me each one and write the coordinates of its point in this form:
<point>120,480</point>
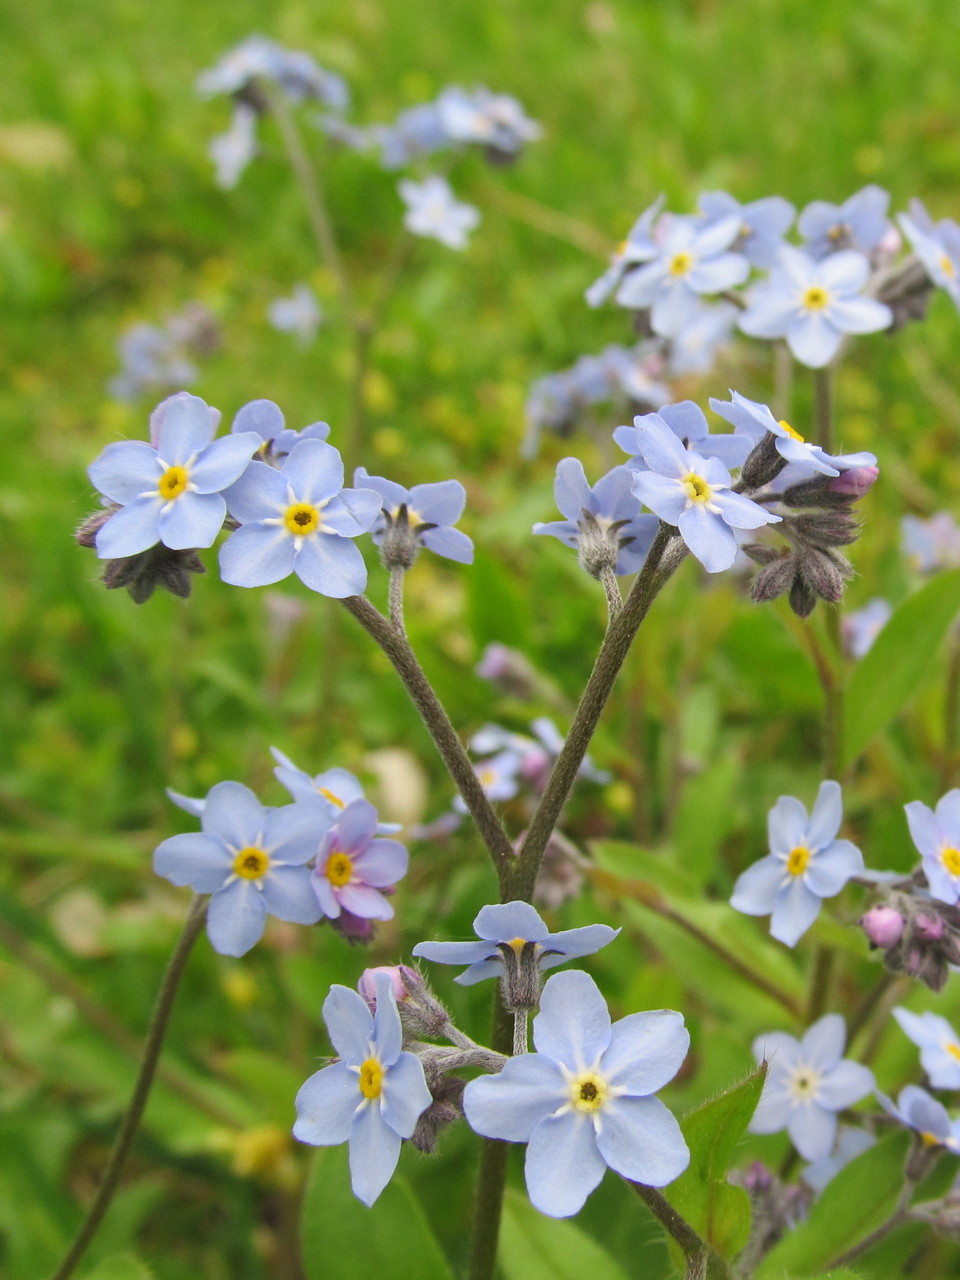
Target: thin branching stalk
<point>141,1092</point>
<point>520,1031</point>
<point>396,599</point>
<point>613,593</point>
<point>701,1259</point>
<point>492,1174</point>
<point>396,646</point>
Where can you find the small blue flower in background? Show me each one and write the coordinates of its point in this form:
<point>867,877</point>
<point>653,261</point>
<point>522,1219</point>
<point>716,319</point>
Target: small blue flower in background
<point>755,419</point>
<point>231,152</point>
<point>694,349</point>
<point>299,519</point>
<point>859,223</point>
<point>372,1096</point>
<point>429,511</point>
<point>849,1144</point>
<point>689,424</point>
<point>433,210</point>
<point>639,246</point>
<point>916,1109</point>
<point>497,776</point>
<point>293,71</point>
<point>808,1082</point>
<point>267,420</point>
<point>937,245</point>
<point>931,544</point>
<point>938,1043</point>
<point>299,314</point>
<point>493,120</point>
<point>691,260</point>
<point>763,223</point>
<point>813,304</point>
<point>693,493</point>
<point>860,628</point>
<point>535,756</point>
<point>605,513</point>
<point>171,493</point>
<point>418,131</point>
<point>806,864</point>
<point>353,866</point>
<point>583,1101</point>
<point>514,925</point>
<point>251,860</point>
<point>936,833</point>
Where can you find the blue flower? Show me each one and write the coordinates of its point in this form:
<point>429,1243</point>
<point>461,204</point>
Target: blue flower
<point>372,1097</point>
<point>492,120</point>
<point>692,260</point>
<point>602,522</point>
<point>755,419</point>
<point>299,519</point>
<point>583,1102</point>
<point>806,864</point>
<point>813,304</point>
<point>937,245</point>
<point>299,314</point>
<point>513,926</point>
<point>916,1109</point>
<point>694,493</point>
<point>497,776</point>
<point>418,131</point>
<point>232,151</point>
<point>293,71</point>
<point>860,628</point>
<point>694,348</point>
<point>688,423</point>
<point>938,1043</point>
<point>171,493</point>
<point>808,1082</point>
<point>251,860</point>
<point>266,419</point>
<point>433,210</point>
<point>427,511</point>
<point>763,223</point>
<point>937,837</point>
<point>859,223</point>
<point>639,246</point>
<point>931,544</point>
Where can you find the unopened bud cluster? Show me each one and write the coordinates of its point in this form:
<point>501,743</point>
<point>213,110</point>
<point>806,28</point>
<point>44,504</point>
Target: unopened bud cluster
<point>919,936</point>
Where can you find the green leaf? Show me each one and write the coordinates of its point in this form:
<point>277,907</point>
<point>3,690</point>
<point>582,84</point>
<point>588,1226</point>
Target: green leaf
<point>844,1215</point>
<point>533,1247</point>
<point>343,1239</point>
<point>497,608</point>
<point>884,681</point>
<point>120,1266</point>
<point>717,1211</point>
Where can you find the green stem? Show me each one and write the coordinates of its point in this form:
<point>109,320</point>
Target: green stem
<point>951,714</point>
<point>138,1101</point>
<point>818,1000</point>
<point>701,1259</point>
<point>492,1175</point>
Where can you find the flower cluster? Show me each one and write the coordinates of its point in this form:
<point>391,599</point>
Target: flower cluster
<point>157,358</point>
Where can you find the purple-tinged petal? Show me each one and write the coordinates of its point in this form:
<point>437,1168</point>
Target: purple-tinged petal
<point>349,1024</point>
<point>194,859</point>
<point>510,1105</point>
<point>563,1164</point>
<point>374,1152</point>
<point>191,520</point>
<point>382,863</point>
<point>236,918</point>
<point>130,530</point>
<point>355,826</point>
<point>257,555</point>
<point>326,1104</point>
<point>326,897</point>
<point>641,1140</point>
<point>362,901</point>
<point>573,1025</point>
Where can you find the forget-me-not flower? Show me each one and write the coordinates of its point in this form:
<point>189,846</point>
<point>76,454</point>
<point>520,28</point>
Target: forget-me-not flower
<point>937,245</point>
<point>916,1109</point>
<point>514,927</point>
<point>763,223</point>
<point>299,314</point>
<point>493,120</point>
<point>639,246</point>
<point>931,544</point>
<point>292,70</point>
<point>859,223</point>
<point>692,260</point>
<point>695,494</point>
<point>813,304</point>
<point>267,420</point>
<point>171,493</point>
<point>689,424</point>
<point>353,865</point>
<point>251,860</point>
<point>860,628</point>
<point>427,513</point>
<point>299,519</point>
<point>694,349</point>
<point>433,210</point>
<point>372,1096</point>
<point>936,833</point>
<point>755,419</point>
<point>808,1082</point>
<point>938,1043</point>
<point>603,522</point>
<point>583,1102</point>
<point>233,150</point>
<point>806,864</point>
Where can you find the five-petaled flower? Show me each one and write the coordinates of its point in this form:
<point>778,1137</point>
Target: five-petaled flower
<point>433,210</point>
<point>919,1111</point>
<point>808,1082</point>
<point>424,515</point>
<point>372,1097</point>
<point>755,419</point>
<point>251,860</point>
<point>806,864</point>
<point>353,866</point>
<point>936,833</point>
<point>938,1043</point>
<point>583,1102</point>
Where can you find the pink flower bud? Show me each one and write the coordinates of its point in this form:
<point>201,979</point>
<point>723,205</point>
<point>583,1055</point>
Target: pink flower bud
<point>883,926</point>
<point>930,928</point>
<point>856,481</point>
<point>367,986</point>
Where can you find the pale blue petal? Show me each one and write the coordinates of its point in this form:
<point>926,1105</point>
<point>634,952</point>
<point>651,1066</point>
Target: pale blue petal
<point>674,306</point>
<point>573,1025</point>
<point>505,921</point>
<point>708,537</point>
<point>569,943</point>
<point>392,495</point>
<point>786,825</point>
<point>860,315</point>
<point>563,1164</point>
<point>716,274</point>
<point>374,1152</point>
<point>846,1084</point>
<point>812,1130</point>
<point>349,1024</point>
<point>288,895</point>
<point>924,828</point>
<point>794,912</point>
<point>223,461</point>
<point>262,416</point>
<point>387,1031</point>
<point>405,1095</point>
<point>824,1042</point>
<point>236,918</point>
<point>185,429</point>
<point>125,469</point>
<point>780,1049</point>
<point>194,859</point>
<point>645,1051</point>
<point>510,1105</point>
<point>191,520</point>
<point>571,491</point>
<point>640,287</point>
<point>470,953</point>
<point>326,1105</point>
<point>364,505</point>
<point>450,543</point>
<point>257,555</point>
<point>663,495</point>
<point>130,530</point>
<point>641,1140</point>
<point>769,315</point>
<point>314,469</point>
<point>742,513</point>
<point>813,340</point>
<point>234,814</point>
<point>259,494</point>
<point>756,888</point>
<point>480,971</point>
<point>948,814</point>
<point>685,419</point>
<point>826,816</point>
<point>844,272</point>
<point>330,565</point>
<point>830,868</point>
<point>293,832</point>
<point>439,503</point>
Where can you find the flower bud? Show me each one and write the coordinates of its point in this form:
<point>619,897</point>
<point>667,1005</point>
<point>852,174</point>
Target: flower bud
<point>929,928</point>
<point>763,464</point>
<point>855,482</point>
<point>883,926</point>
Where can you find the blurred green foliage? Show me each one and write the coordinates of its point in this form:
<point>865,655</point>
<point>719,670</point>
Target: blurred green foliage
<point>109,216</point>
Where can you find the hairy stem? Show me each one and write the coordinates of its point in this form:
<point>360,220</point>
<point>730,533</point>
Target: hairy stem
<point>395,645</point>
<point>520,1031</point>
<point>701,1259</point>
<point>138,1101</point>
<point>396,599</point>
<point>665,555</point>
<point>612,589</point>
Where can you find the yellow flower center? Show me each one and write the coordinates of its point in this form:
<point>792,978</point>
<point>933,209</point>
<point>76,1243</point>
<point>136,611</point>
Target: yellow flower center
<point>953,1049</point>
<point>929,1139</point>
<point>681,263</point>
<point>795,435</point>
<point>173,482</point>
<point>797,860</point>
<point>251,863</point>
<point>815,298</point>
<point>950,857</point>
<point>517,944</point>
<point>301,518</point>
<point>339,868</point>
<point>588,1092</point>
<point>328,795</point>
<point>947,267</point>
<point>697,488</point>
<point>371,1078</point>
